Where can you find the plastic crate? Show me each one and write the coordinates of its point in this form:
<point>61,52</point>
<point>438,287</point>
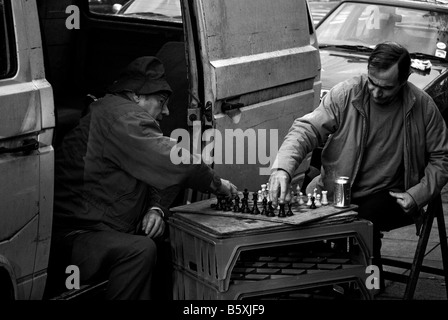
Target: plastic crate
<point>188,287</point>
<point>211,257</point>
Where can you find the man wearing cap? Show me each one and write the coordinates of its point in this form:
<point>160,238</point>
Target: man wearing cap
<point>108,173</point>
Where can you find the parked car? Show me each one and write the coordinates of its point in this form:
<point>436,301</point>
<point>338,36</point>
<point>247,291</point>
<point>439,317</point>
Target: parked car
<point>162,8</point>
<point>349,33</point>
<point>319,8</point>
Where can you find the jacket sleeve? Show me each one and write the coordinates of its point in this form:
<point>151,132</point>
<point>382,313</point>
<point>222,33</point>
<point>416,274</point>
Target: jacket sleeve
<point>435,174</point>
<point>136,144</point>
<point>309,132</point>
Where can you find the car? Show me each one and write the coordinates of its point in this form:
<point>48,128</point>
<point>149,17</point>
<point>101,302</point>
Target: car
<point>319,8</point>
<point>165,9</point>
<point>351,30</point>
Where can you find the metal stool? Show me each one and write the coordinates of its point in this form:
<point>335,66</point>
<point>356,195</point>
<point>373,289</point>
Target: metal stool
<point>435,210</point>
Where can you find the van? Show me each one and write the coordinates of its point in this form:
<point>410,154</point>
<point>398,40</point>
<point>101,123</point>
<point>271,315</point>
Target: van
<point>245,69</point>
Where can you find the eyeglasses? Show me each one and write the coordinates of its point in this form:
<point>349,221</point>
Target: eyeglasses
<point>163,98</point>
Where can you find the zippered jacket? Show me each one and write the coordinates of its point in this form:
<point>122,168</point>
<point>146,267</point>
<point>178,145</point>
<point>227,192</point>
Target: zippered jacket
<point>341,123</point>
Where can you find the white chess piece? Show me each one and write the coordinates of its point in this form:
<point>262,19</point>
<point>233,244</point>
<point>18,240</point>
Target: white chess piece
<point>309,203</point>
<point>317,202</point>
<point>315,193</point>
<point>260,196</point>
<point>324,198</point>
<point>301,202</point>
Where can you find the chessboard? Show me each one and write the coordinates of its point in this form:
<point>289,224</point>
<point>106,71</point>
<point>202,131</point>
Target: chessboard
<point>294,213</point>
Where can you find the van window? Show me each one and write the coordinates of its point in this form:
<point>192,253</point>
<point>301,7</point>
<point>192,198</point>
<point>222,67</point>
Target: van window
<point>7,52</point>
<point>163,10</point>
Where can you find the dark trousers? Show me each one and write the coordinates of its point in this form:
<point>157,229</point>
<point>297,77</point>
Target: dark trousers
<point>385,214</point>
<point>126,260</point>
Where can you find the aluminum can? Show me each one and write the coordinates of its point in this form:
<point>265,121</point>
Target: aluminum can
<point>342,192</point>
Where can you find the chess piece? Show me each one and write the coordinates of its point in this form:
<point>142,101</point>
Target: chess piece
<point>301,202</point>
<point>236,206</point>
<point>314,193</point>
<point>318,202</point>
<point>270,210</point>
<point>309,202</point>
<point>264,203</point>
<point>219,203</point>
<point>289,212</point>
<point>255,209</point>
<point>281,211</point>
<point>228,204</point>
<point>313,205</point>
<point>324,200</point>
<point>260,196</point>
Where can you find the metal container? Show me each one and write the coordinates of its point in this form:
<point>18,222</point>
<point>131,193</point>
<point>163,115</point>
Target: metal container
<point>342,192</point>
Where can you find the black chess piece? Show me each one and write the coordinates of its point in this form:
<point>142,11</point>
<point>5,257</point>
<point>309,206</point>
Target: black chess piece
<point>264,204</point>
<point>236,206</point>
<point>271,209</point>
<point>255,209</point>
<point>281,211</point>
<point>313,205</point>
<point>245,208</point>
<point>289,212</point>
<point>219,203</point>
<point>228,204</point>
<point>246,194</point>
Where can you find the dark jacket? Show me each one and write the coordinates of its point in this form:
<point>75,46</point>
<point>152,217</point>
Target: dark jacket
<point>110,167</point>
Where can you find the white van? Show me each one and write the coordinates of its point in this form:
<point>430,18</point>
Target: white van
<point>234,65</point>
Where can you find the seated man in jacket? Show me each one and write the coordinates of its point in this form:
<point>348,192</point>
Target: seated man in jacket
<point>109,170</point>
<point>382,132</point>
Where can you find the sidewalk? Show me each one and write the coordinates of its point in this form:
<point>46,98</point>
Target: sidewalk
<point>400,244</point>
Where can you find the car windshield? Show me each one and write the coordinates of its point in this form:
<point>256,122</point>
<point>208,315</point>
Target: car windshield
<point>361,26</point>
<point>164,8</point>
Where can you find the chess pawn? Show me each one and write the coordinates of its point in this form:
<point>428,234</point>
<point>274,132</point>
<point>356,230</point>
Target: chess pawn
<point>270,210</point>
<point>301,202</point>
<point>260,196</point>
<point>263,191</point>
<point>313,204</point>
<point>281,212</point>
<point>289,212</point>
<point>255,209</point>
<point>324,198</point>
<point>236,206</point>
<point>318,202</point>
<point>309,203</point>
<point>315,193</point>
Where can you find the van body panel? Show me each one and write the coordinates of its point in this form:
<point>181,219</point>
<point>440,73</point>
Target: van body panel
<point>26,194</point>
<point>263,62</point>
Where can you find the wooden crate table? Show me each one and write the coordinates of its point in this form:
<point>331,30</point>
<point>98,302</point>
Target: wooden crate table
<point>227,255</point>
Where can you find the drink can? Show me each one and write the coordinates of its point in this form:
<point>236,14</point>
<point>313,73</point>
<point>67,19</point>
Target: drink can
<point>342,192</point>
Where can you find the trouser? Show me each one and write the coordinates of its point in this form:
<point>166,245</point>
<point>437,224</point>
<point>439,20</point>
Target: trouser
<point>126,260</point>
<point>383,211</point>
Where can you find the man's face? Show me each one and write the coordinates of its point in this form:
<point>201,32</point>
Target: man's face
<point>155,104</point>
<point>383,84</point>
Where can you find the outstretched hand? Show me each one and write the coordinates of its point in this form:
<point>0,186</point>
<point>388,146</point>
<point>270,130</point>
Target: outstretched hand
<point>278,186</point>
<point>404,200</point>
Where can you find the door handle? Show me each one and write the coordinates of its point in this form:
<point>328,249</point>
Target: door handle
<point>227,106</point>
<point>27,146</point>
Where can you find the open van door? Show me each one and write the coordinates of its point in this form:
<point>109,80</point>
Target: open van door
<point>26,154</point>
<point>254,67</point>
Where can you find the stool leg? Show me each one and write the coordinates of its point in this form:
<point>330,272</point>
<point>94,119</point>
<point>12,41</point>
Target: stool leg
<point>443,244</point>
<point>419,255</point>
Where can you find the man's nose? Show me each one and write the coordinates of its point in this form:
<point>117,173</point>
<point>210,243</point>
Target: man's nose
<point>165,110</point>
<point>377,93</point>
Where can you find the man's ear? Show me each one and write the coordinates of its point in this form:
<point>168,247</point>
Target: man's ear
<point>135,97</point>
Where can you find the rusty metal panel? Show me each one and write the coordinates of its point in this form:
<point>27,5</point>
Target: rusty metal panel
<point>261,71</point>
<point>237,28</point>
